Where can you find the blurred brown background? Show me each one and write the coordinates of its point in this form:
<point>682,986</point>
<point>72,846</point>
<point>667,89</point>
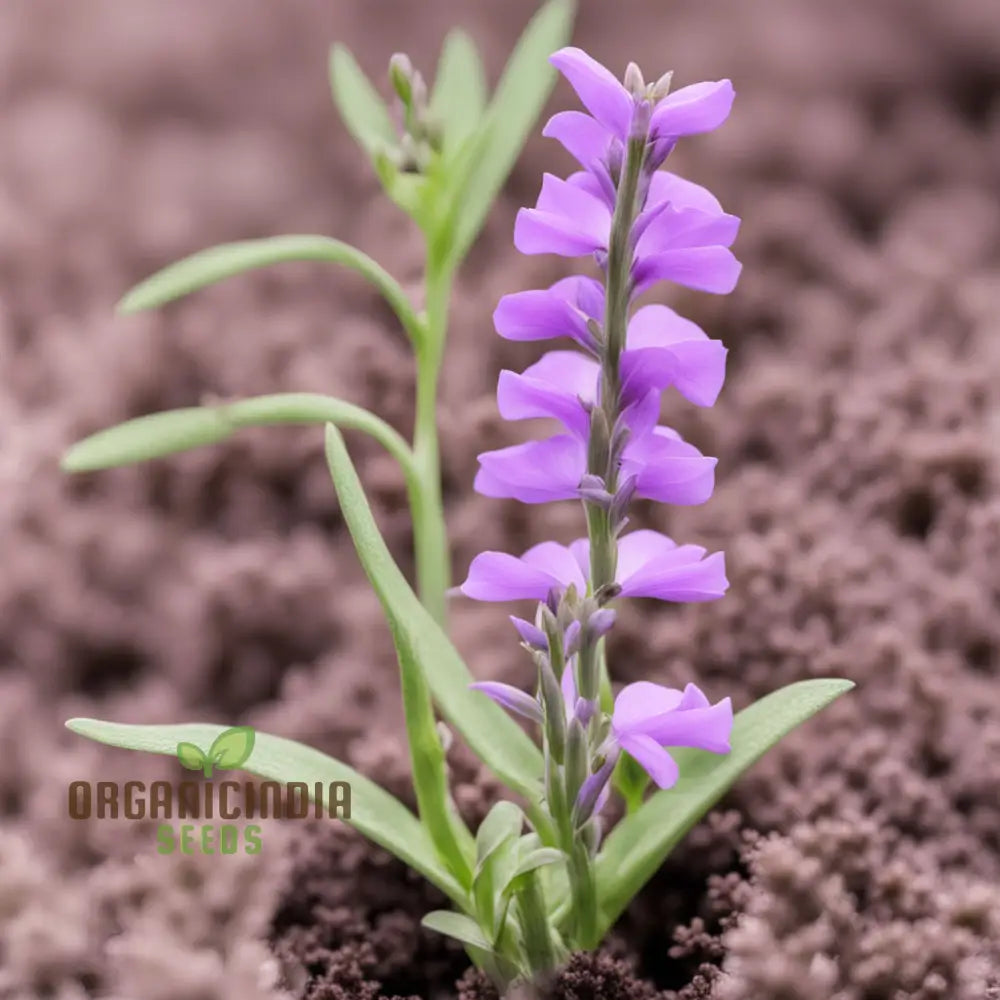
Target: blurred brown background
<point>859,448</point>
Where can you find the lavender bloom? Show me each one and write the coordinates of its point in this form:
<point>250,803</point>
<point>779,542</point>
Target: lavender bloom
<point>665,469</point>
<point>648,717</point>
<point>649,565</point>
<point>688,111</point>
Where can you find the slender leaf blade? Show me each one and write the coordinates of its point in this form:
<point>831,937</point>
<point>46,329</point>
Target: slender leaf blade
<point>228,259</point>
<point>149,437</point>
<point>459,96</point>
<point>374,812</point>
<point>457,926</point>
<point>517,102</point>
<point>495,738</point>
<point>639,844</point>
<point>363,110</point>
<point>502,823</point>
<point>161,434</point>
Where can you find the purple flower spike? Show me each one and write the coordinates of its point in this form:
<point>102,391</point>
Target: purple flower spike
<point>512,698</point>
<point>648,717</point>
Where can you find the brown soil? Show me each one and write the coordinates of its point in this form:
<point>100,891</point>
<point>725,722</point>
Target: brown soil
<point>858,499</point>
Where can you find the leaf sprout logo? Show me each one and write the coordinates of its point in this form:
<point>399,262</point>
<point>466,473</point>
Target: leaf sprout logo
<point>230,750</point>
<point>231,807</point>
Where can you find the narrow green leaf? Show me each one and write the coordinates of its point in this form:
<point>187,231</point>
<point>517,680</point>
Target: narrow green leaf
<point>161,434</point>
<point>363,110</point>
<point>495,738</point>
<point>537,859</point>
<point>459,96</point>
<point>374,812</point>
<point>191,756</point>
<point>502,823</point>
<point>232,748</point>
<point>457,926</point>
<point>520,96</point>
<point>148,437</point>
<point>209,266</point>
<point>639,844</point>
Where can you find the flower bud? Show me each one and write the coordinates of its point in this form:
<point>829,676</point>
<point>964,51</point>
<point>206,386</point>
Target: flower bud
<point>554,723</point>
<point>401,77</point>
<point>531,635</point>
<point>576,769</point>
<point>600,624</point>
<point>634,83</point>
<point>661,88</point>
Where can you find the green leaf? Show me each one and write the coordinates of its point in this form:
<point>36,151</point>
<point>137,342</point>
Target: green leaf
<point>459,96</point>
<point>502,823</point>
<point>173,431</point>
<point>363,110</point>
<point>148,437</point>
<point>495,738</point>
<point>638,845</point>
<point>232,748</point>
<point>537,859</point>
<point>457,926</point>
<point>191,756</point>
<point>209,266</point>
<point>517,102</point>
<point>374,812</point>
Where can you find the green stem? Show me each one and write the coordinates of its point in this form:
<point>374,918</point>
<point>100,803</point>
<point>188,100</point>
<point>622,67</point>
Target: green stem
<point>603,548</point>
<point>539,948</point>
<point>430,538</point>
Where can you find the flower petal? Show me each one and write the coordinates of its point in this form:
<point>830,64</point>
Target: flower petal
<point>707,269</point>
<point>601,93</point>
<point>520,397</point>
<point>568,220</point>
<point>664,349</point>
<point>556,560</point>
<point>534,472</point>
<point>586,294</point>
<point>583,137</point>
<point>681,575</point>
<point>700,107</point>
<point>702,728</point>
<point>638,702</point>
<point>687,227</point>
<point>656,762</point>
<point>679,192</point>
<point>498,576</point>
<point>511,698</point>
<point>539,315</point>
<point>639,547</point>
<point>668,469</point>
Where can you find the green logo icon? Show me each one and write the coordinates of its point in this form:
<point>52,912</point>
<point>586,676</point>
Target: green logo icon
<point>230,750</point>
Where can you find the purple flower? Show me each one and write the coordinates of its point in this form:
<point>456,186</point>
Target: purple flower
<point>662,349</point>
<point>700,107</point>
<point>648,717</point>
<point>649,565</point>
<point>682,236</point>
<point>664,468</point>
